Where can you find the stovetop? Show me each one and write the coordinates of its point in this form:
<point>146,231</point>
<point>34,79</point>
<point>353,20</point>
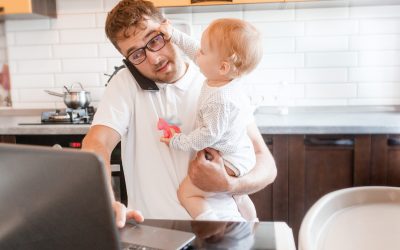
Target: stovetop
<point>66,116</point>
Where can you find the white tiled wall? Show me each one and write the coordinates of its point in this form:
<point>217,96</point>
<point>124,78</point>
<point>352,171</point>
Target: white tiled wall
<point>320,56</point>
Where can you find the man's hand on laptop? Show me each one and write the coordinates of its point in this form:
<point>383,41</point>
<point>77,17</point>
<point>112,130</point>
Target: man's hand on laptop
<point>122,214</point>
<point>207,172</point>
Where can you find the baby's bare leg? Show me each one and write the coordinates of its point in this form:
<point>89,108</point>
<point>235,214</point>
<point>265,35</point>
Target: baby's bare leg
<point>246,207</point>
<point>244,203</point>
<point>193,199</point>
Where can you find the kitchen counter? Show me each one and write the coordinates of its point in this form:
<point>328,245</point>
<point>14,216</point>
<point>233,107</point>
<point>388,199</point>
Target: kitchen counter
<point>330,120</point>
<point>311,120</point>
<point>10,120</point>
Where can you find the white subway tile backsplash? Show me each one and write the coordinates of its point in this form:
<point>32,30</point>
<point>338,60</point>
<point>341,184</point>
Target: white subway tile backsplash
<point>187,17</point>
<point>380,26</point>
<point>101,20</point>
<point>375,11</point>
<point>87,79</point>
<point>84,65</point>
<point>380,58</point>
<point>373,101</point>
<point>109,4</point>
<point>27,25</point>
<point>322,13</point>
<point>280,28</point>
<point>82,36</point>
<point>32,81</point>
<point>36,37</point>
<point>341,27</point>
<point>331,90</point>
<point>206,17</point>
<point>79,6</point>
<point>78,21</point>
<point>321,102</point>
<point>29,52</point>
<point>269,15</point>
<point>383,42</point>
<point>328,75</point>
<point>38,95</point>
<point>75,51</point>
<point>282,61</point>
<point>375,74</point>
<point>312,56</point>
<point>108,50</point>
<point>3,42</point>
<point>334,43</point>
<point>261,76</point>
<point>10,38</point>
<point>39,66</point>
<point>277,45</point>
<point>331,59</point>
<point>33,105</point>
<point>112,63</point>
<point>376,90</point>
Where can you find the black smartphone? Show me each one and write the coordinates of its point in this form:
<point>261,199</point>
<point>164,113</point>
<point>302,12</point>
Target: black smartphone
<point>144,82</point>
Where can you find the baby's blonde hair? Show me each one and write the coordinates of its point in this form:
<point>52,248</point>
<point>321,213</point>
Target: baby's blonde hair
<point>236,41</point>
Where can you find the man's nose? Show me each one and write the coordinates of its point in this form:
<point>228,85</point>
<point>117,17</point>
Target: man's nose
<point>153,57</point>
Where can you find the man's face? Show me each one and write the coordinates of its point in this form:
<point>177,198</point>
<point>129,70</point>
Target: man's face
<point>165,65</point>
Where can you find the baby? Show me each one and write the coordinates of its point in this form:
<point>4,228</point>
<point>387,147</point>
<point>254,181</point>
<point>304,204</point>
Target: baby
<point>230,48</point>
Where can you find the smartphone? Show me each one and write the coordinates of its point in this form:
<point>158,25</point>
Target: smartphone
<point>144,82</point>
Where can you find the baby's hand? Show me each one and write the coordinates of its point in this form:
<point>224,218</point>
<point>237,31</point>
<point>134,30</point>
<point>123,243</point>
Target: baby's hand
<point>166,29</point>
<point>167,140</point>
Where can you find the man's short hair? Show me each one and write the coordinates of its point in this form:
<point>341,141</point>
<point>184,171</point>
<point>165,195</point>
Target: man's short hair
<point>127,14</point>
<point>237,41</point>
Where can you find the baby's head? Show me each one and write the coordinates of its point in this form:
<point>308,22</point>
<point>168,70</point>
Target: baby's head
<point>235,43</point>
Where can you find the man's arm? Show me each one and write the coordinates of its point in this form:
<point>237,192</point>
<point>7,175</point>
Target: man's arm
<point>211,176</point>
<point>102,140</point>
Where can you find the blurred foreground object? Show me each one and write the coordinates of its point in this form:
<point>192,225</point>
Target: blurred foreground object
<point>5,88</point>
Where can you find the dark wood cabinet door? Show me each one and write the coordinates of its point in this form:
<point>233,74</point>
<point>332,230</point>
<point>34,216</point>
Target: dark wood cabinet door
<point>7,138</point>
<point>385,160</point>
<point>272,202</point>
<point>320,164</point>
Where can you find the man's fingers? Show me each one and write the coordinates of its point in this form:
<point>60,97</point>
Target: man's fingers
<point>120,214</point>
<point>136,215</point>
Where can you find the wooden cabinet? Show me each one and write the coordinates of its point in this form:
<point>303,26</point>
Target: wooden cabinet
<point>272,202</point>
<point>310,166</point>
<point>27,8</point>
<point>7,139</point>
<point>320,164</point>
<point>385,160</point>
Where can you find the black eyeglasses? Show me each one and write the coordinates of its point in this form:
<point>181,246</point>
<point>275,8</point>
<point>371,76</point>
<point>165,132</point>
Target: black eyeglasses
<point>155,44</point>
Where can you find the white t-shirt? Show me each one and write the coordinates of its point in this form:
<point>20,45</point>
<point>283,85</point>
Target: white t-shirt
<point>152,170</point>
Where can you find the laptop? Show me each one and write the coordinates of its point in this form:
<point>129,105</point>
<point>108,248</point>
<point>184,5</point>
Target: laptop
<point>58,199</point>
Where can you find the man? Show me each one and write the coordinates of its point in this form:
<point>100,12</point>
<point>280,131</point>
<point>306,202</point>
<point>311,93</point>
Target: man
<point>129,114</point>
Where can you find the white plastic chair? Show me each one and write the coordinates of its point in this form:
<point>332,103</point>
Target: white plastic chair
<point>365,218</point>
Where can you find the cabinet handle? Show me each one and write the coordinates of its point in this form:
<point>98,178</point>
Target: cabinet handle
<point>328,142</point>
<point>268,141</point>
<point>393,141</point>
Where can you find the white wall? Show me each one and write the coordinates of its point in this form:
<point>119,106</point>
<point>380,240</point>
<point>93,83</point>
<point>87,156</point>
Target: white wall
<point>322,56</point>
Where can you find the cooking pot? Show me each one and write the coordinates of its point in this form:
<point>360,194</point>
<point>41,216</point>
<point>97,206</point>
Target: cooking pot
<point>72,98</point>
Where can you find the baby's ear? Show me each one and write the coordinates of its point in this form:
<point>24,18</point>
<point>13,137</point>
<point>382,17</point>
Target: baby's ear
<point>224,68</point>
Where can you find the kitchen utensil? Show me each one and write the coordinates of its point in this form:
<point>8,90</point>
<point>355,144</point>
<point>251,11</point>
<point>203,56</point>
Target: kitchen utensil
<point>74,99</point>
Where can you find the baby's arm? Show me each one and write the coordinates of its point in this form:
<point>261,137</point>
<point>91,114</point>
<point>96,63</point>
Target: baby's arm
<point>186,43</point>
<point>215,119</point>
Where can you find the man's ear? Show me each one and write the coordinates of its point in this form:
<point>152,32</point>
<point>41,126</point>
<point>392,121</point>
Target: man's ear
<point>224,68</point>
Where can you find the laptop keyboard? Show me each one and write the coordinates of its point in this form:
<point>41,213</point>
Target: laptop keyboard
<point>130,246</point>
